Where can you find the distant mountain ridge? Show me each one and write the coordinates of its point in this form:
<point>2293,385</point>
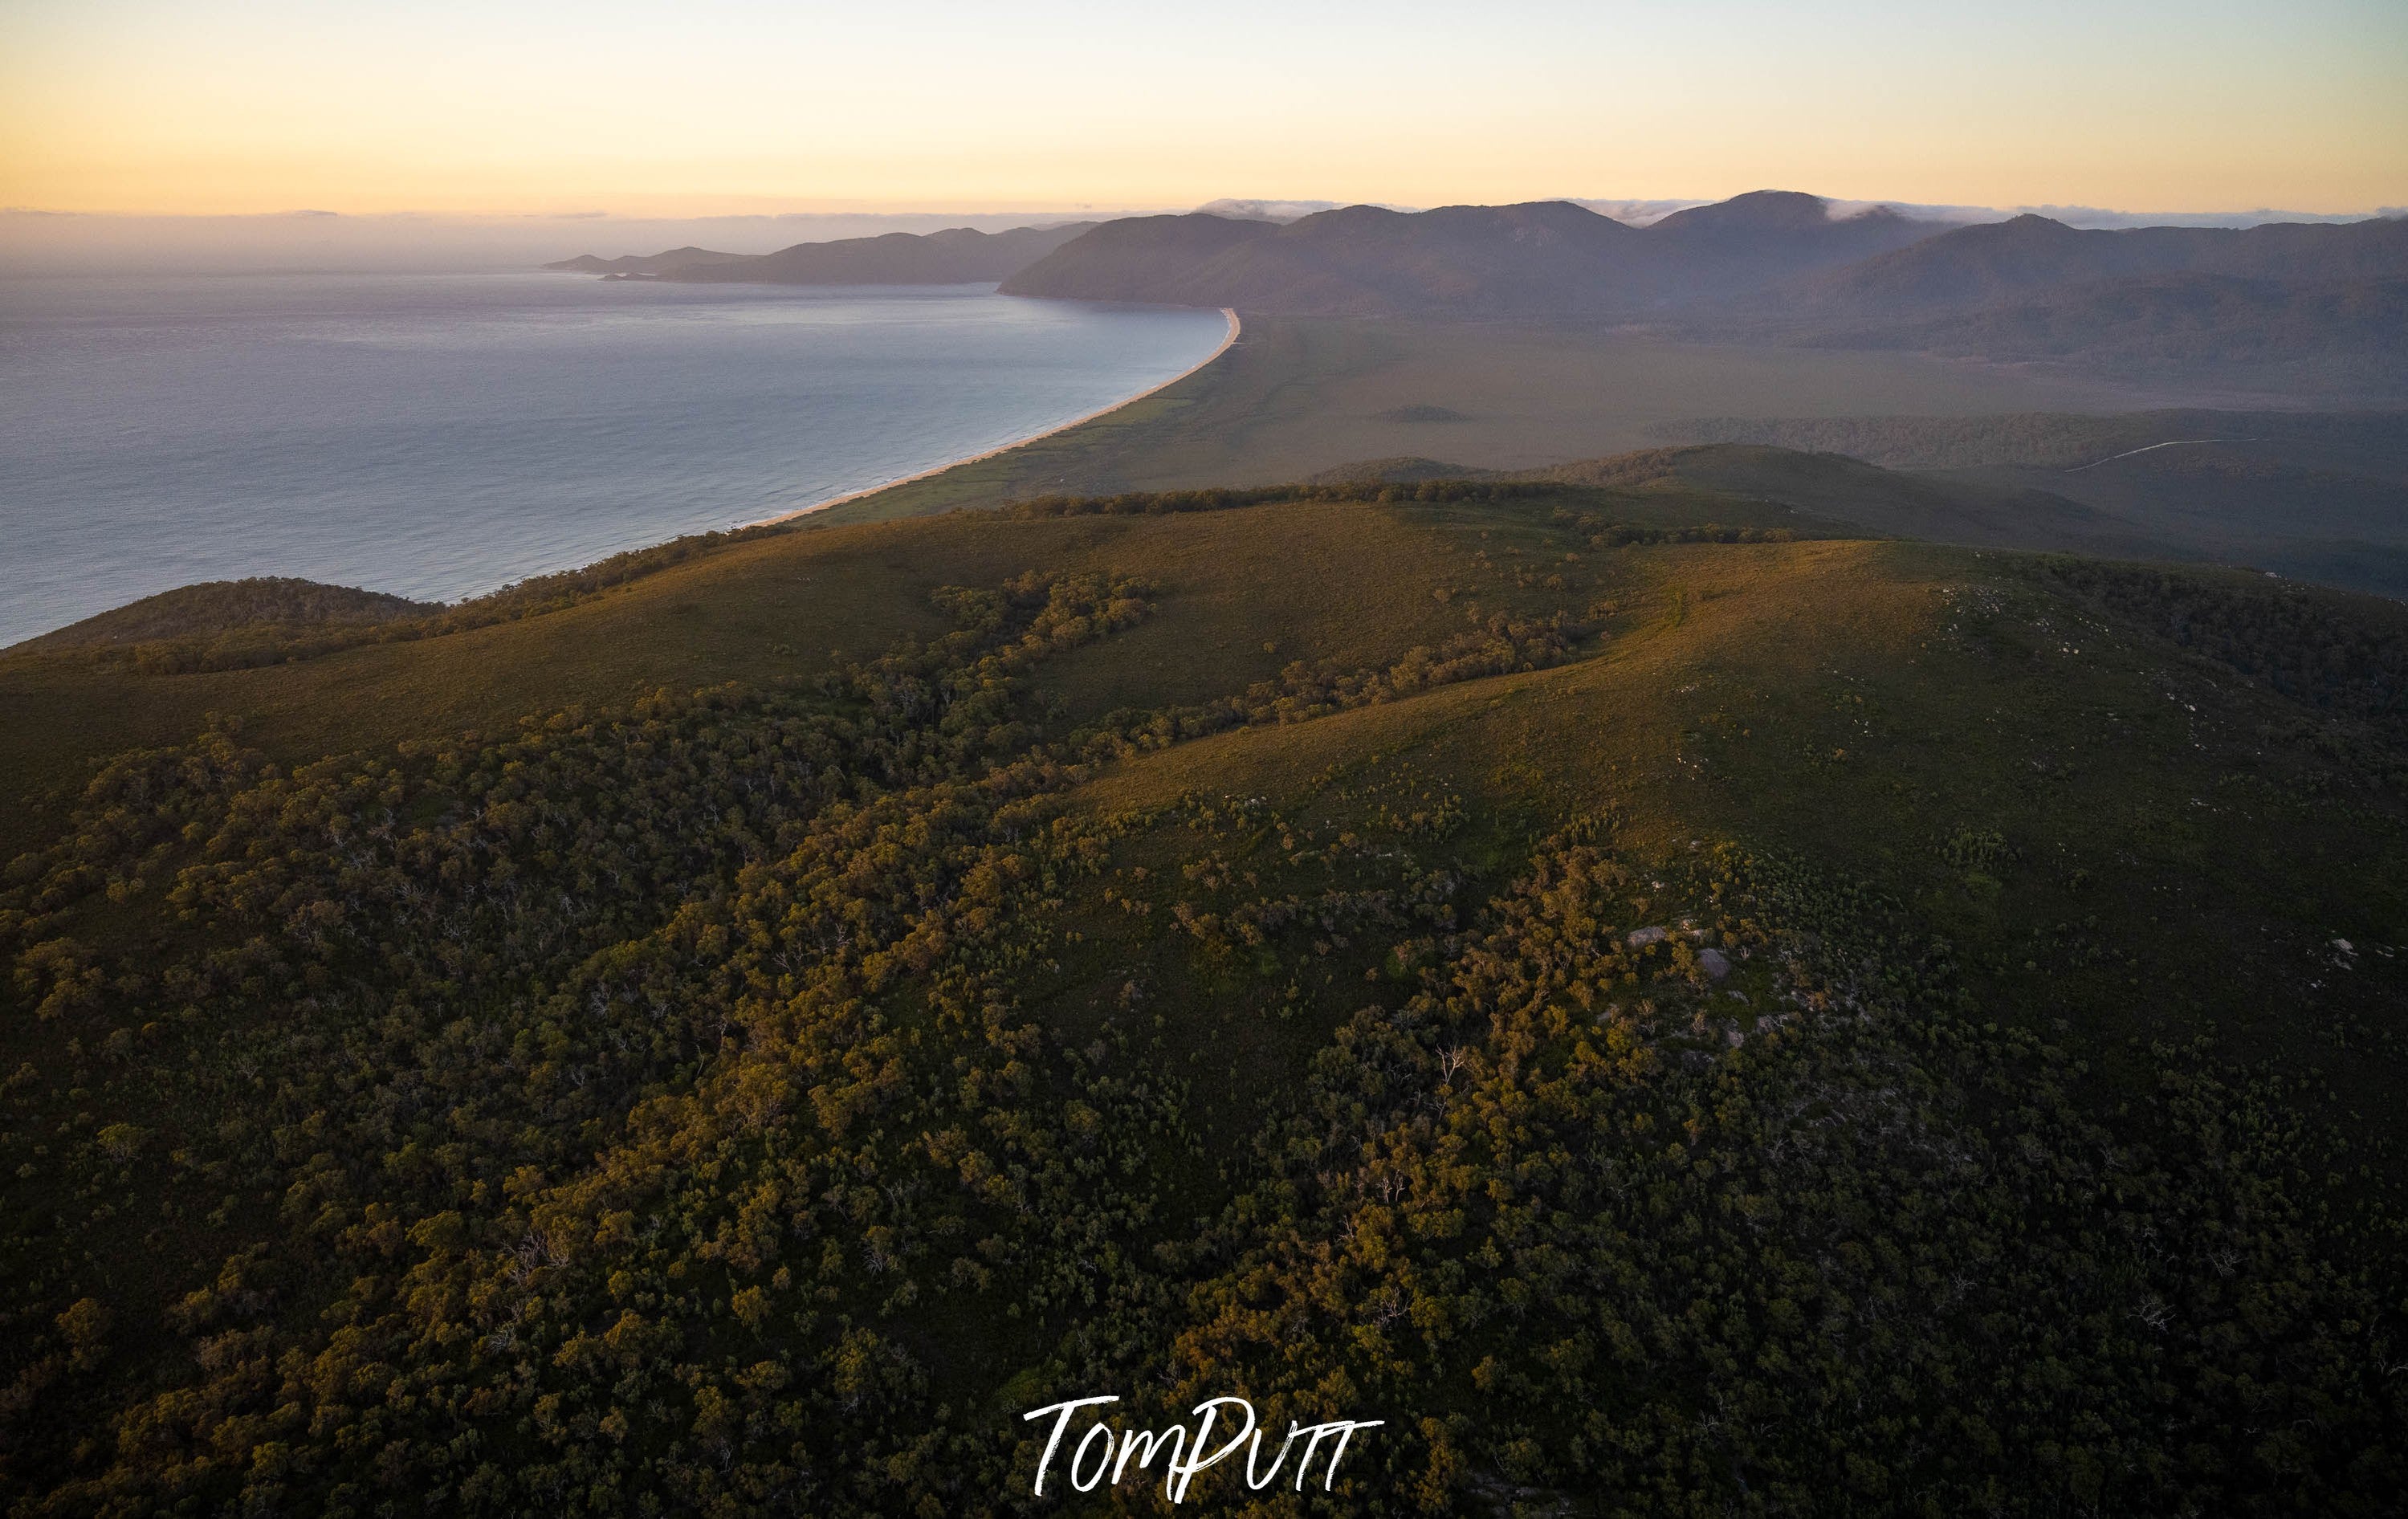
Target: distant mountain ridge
<point>1536,258</point>
<point>955,256</point>
<point>652,263</point>
<point>2312,307</point>
<point>1765,255</point>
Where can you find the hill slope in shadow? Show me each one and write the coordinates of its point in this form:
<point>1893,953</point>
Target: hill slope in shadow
<point>2319,495</point>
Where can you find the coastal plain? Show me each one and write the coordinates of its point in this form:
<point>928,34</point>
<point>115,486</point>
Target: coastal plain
<point>1299,395</point>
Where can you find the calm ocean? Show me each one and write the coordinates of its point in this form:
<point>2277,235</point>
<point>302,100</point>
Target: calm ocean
<point>438,436</point>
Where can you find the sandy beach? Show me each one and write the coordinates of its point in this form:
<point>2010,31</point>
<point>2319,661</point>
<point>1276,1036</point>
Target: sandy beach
<point>1226,338</point>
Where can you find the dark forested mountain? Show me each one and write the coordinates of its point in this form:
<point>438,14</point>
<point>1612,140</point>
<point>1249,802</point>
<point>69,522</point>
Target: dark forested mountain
<point>1540,258</point>
<point>957,256</point>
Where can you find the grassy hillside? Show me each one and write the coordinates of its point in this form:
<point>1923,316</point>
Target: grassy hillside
<point>1665,1003</point>
<point>281,607</point>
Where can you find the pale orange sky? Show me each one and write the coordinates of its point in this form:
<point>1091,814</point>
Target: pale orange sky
<point>712,105</point>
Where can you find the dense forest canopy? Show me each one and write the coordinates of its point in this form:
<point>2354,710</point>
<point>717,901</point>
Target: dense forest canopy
<point>1668,1010</point>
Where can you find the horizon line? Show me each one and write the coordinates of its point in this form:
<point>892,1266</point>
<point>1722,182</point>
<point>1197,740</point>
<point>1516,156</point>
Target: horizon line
<point>1943,210</point>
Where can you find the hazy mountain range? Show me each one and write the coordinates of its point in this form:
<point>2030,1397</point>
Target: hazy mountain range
<point>1771,253</point>
<point>955,256</point>
<point>2307,307</point>
<point>1546,257</point>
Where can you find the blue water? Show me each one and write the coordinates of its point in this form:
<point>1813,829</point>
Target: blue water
<point>438,436</point>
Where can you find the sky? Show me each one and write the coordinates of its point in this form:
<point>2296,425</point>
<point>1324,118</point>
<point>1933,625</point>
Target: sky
<point>709,108</point>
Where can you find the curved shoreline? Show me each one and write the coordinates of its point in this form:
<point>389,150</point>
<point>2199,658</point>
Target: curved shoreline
<point>1228,338</point>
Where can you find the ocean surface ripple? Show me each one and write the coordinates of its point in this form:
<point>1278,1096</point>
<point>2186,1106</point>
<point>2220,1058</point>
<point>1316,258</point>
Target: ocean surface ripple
<point>440,435</point>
